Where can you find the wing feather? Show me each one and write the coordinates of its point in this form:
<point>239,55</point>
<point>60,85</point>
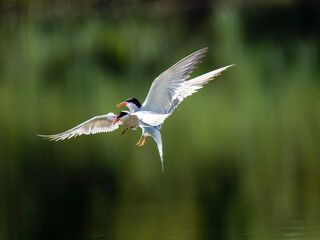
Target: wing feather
<point>191,86</point>
<point>98,124</point>
<point>164,87</point>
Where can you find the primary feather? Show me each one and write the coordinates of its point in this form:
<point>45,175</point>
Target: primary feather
<point>98,124</point>
<point>164,87</point>
<point>191,86</point>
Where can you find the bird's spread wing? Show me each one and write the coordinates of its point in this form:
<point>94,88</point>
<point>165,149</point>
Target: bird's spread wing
<point>98,124</point>
<point>165,86</point>
<point>191,86</point>
<point>150,118</point>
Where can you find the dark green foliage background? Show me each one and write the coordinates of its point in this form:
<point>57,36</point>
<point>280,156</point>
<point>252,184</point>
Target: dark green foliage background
<point>241,157</point>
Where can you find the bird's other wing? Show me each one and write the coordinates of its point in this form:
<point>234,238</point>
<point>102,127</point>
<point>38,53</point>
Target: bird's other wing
<point>191,86</point>
<point>150,118</point>
<point>164,87</point>
<point>98,124</point>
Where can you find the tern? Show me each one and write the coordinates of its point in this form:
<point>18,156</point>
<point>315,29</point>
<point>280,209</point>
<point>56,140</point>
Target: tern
<point>167,91</point>
<point>109,123</point>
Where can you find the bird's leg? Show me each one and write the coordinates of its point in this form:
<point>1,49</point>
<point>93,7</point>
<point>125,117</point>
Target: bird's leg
<point>144,140</point>
<point>140,140</point>
<point>124,131</point>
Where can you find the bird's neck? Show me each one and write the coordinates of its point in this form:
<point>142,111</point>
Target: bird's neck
<point>132,107</point>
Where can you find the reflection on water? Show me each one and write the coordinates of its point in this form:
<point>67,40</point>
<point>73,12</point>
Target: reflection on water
<point>145,221</point>
<point>285,230</point>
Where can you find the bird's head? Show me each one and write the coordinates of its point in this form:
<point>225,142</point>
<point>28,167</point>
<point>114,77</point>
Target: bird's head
<point>132,103</point>
<point>120,115</point>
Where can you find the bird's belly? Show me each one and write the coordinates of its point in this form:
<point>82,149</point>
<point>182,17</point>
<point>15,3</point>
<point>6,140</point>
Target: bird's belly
<point>131,122</point>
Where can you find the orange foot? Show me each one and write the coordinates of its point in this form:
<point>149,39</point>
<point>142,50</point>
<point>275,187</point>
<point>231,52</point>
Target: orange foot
<point>144,140</point>
<point>140,140</point>
<point>124,131</point>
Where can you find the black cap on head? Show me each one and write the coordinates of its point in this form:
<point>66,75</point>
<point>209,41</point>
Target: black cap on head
<point>121,114</point>
<point>135,101</point>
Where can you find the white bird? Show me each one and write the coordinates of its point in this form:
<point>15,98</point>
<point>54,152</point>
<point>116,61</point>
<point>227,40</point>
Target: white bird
<point>167,91</point>
<point>109,123</point>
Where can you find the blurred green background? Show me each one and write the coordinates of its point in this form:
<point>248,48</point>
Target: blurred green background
<point>242,156</point>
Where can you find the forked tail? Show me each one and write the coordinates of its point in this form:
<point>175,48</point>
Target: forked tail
<point>159,145</point>
<point>156,135</point>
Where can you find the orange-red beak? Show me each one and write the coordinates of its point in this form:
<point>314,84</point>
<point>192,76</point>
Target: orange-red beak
<point>122,104</point>
<point>117,120</point>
